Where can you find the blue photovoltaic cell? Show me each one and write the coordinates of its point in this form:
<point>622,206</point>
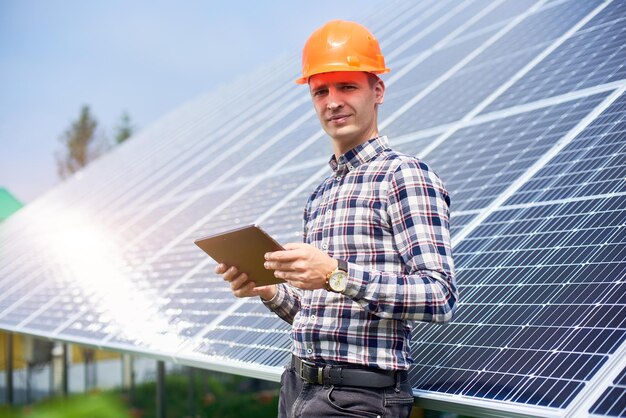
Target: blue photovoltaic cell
<point>455,15</point>
<point>185,315</point>
<point>479,162</point>
<point>490,69</point>
<point>286,224</point>
<point>544,301</point>
<point>415,23</point>
<point>412,147</point>
<point>318,149</point>
<point>433,108</point>
<point>612,403</point>
<point>22,303</point>
<point>450,101</point>
<point>459,221</point>
<point>502,14</point>
<point>228,163</point>
<point>593,164</point>
<point>539,29</point>
<point>174,264</point>
<point>250,335</point>
<point>167,222</point>
<point>592,56</point>
<point>537,319</point>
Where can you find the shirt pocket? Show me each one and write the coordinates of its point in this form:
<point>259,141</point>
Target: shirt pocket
<point>361,224</point>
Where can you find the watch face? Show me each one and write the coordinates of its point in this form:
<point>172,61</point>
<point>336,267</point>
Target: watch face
<point>338,281</point>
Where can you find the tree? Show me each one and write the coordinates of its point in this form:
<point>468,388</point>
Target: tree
<point>82,144</point>
<point>124,129</point>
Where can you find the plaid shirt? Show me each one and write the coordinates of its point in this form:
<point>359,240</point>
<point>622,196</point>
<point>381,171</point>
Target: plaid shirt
<point>387,215</point>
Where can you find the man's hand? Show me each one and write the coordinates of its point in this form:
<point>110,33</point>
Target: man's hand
<point>241,286</point>
<point>302,265</point>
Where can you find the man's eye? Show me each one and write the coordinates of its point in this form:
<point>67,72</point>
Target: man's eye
<point>319,92</point>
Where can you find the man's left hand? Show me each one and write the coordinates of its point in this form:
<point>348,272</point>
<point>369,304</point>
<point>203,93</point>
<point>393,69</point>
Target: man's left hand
<point>302,265</point>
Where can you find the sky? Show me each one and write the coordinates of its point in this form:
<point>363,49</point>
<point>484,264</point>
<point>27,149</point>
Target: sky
<point>137,56</point>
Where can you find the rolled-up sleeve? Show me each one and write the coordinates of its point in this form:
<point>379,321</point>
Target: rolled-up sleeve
<point>418,210</point>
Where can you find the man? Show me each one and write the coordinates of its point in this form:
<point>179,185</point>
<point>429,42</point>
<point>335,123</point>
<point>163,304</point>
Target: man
<point>376,254</point>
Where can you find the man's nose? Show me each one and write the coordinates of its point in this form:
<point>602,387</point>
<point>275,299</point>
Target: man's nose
<point>334,101</point>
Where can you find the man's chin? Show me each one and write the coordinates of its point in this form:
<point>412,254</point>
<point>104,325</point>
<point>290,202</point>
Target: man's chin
<point>343,134</point>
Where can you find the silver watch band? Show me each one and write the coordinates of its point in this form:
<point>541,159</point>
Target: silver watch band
<point>342,265</point>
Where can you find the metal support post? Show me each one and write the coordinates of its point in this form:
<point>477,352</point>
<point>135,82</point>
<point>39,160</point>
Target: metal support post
<point>128,374</point>
<point>89,369</point>
<point>160,390</point>
<point>191,389</point>
<point>65,365</point>
<point>9,370</point>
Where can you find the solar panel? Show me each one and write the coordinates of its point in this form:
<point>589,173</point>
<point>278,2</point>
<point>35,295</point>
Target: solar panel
<point>518,105</point>
<point>543,301</point>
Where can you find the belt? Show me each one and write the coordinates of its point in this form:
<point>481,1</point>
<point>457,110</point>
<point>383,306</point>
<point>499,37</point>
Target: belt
<point>326,374</point>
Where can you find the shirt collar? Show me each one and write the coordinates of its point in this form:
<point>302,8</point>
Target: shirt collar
<point>358,155</point>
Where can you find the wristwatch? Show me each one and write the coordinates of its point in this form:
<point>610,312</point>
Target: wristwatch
<point>337,280</point>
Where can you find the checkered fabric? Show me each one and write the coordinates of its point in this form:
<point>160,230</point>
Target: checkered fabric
<point>387,215</point>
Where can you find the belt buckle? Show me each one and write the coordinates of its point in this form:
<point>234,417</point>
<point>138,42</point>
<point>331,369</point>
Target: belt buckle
<point>309,366</point>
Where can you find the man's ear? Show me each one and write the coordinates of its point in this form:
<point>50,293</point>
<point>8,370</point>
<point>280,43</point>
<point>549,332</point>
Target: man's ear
<point>379,91</point>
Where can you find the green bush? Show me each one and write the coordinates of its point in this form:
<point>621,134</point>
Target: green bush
<point>214,395</point>
<point>100,405</point>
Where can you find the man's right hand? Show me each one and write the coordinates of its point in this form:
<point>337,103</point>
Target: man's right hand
<point>241,285</point>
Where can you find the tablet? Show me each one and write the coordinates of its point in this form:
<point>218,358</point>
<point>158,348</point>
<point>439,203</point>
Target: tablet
<point>245,249</point>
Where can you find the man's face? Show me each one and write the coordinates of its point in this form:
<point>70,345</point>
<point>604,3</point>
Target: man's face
<point>346,105</point>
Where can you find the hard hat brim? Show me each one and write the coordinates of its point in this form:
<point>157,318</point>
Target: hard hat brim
<point>305,79</point>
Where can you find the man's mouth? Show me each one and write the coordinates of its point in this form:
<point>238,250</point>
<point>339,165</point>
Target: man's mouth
<point>338,118</point>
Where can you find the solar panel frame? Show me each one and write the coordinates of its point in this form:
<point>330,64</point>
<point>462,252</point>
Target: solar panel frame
<point>612,402</point>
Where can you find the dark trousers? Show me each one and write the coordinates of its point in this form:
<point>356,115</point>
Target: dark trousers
<point>299,399</point>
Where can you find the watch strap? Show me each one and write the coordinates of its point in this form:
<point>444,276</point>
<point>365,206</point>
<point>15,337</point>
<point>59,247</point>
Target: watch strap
<point>342,265</point>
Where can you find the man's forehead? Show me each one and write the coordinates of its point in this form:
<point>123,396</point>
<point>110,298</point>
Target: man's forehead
<point>338,77</point>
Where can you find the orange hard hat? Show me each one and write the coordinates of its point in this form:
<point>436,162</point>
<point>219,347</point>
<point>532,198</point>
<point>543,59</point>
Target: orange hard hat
<point>341,45</point>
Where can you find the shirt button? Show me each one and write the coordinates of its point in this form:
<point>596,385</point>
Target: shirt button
<point>313,317</point>
<point>309,351</point>
<point>324,246</point>
<point>338,178</point>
